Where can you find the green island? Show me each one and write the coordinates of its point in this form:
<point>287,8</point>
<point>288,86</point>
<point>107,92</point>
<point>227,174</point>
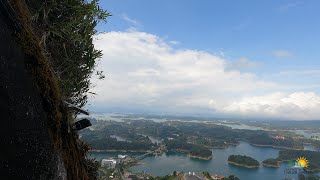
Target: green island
<point>194,151</point>
<point>201,153</point>
<point>291,155</point>
<point>271,163</point>
<point>244,161</point>
<point>312,156</point>
<point>269,140</point>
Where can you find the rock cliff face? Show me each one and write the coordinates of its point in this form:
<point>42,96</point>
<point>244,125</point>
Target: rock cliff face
<point>28,148</point>
<point>36,139</point>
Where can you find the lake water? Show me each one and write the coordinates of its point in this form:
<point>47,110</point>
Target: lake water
<point>118,138</point>
<point>306,134</point>
<point>167,163</point>
<point>152,139</point>
<point>103,155</point>
<point>240,126</point>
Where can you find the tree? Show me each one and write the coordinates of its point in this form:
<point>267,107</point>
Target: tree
<point>301,177</point>
<point>174,173</point>
<point>231,177</point>
<point>66,30</point>
<point>207,175</point>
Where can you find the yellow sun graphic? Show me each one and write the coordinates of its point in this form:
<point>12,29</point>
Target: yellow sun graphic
<point>302,162</point>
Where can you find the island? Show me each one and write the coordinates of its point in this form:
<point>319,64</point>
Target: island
<point>193,139</point>
<point>194,151</point>
<point>244,161</point>
<point>201,153</point>
<point>268,139</point>
<point>271,163</point>
<point>313,158</point>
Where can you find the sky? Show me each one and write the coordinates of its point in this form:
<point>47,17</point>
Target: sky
<point>239,59</point>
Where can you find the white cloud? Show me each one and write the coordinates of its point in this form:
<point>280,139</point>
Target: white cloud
<point>299,105</point>
<point>309,72</point>
<point>130,20</point>
<point>144,71</point>
<point>288,6</point>
<point>174,42</point>
<point>281,53</point>
<point>241,64</point>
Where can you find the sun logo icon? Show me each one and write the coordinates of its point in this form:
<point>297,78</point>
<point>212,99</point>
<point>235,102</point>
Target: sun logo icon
<point>302,162</point>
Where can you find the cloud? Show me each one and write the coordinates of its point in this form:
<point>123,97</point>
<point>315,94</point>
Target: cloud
<point>174,42</point>
<point>288,6</point>
<point>133,22</point>
<point>145,72</point>
<point>309,72</point>
<point>281,53</point>
<point>241,64</point>
<point>298,105</point>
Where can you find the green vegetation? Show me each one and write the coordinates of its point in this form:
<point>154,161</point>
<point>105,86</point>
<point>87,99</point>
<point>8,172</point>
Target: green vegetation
<point>312,142</point>
<point>308,177</point>
<point>57,39</point>
<point>245,161</point>
<point>178,144</point>
<point>66,30</point>
<point>231,177</point>
<point>101,140</point>
<point>193,150</point>
<point>271,162</point>
<point>207,142</point>
<point>167,177</point>
<point>292,155</point>
<point>207,175</point>
<point>201,152</point>
<point>266,140</point>
<point>193,138</point>
<point>312,156</point>
<point>287,125</point>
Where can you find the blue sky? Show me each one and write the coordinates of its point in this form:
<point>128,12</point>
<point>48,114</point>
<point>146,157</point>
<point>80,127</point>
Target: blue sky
<point>253,28</point>
<point>274,41</point>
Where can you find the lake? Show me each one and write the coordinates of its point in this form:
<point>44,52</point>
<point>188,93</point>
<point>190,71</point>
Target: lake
<point>167,163</point>
<point>306,133</point>
<point>239,126</point>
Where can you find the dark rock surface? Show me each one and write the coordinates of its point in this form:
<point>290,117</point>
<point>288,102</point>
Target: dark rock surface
<point>26,148</point>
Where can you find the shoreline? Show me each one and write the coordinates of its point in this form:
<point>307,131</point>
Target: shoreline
<point>243,165</point>
<point>282,161</point>
<point>115,150</point>
<point>271,165</point>
<point>184,151</point>
<point>276,147</point>
<point>199,157</point>
<point>210,147</point>
<point>312,170</point>
<point>216,147</point>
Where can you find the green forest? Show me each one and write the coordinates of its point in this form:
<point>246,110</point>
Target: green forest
<point>271,162</point>
<point>201,152</point>
<point>312,156</point>
<point>243,160</point>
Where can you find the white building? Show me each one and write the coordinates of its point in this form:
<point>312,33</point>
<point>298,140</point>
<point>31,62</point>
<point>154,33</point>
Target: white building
<point>110,163</point>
